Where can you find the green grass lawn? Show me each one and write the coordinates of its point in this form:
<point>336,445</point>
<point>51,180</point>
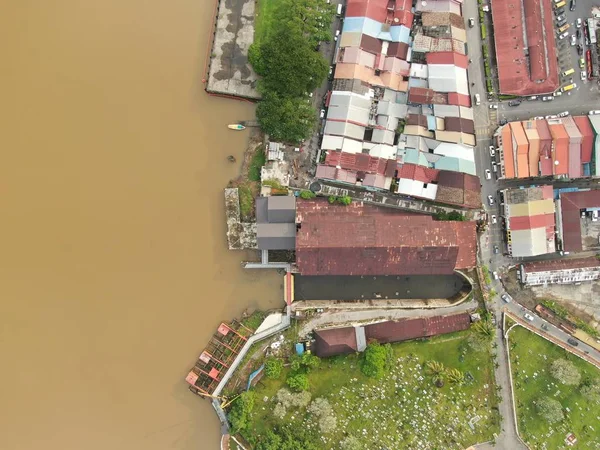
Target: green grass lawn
<point>531,357</point>
<point>264,17</point>
<point>403,409</point>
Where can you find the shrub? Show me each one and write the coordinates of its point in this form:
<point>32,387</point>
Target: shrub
<point>483,31</point>
<point>332,199</point>
<point>306,195</point>
<point>374,360</point>
<point>298,382</point>
<point>273,367</point>
<point>345,200</point>
<point>591,390</point>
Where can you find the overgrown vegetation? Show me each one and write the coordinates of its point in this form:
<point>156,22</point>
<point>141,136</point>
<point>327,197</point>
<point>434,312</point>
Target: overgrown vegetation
<point>344,200</point>
<point>563,313</point>
<point>376,359</point>
<point>307,195</point>
<point>556,393</point>
<point>343,408</point>
<point>258,160</point>
<point>246,201</point>
<point>452,215</point>
<point>290,67</point>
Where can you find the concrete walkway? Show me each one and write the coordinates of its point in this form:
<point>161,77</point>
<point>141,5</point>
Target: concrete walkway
<point>340,318</point>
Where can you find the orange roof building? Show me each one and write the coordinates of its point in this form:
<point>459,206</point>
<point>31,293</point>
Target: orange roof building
<point>560,148</point>
<point>534,147</point>
<point>521,149</point>
<point>507,150</point>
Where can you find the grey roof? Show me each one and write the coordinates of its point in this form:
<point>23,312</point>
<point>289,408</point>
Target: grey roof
<point>276,236</point>
<point>261,210</point>
<point>281,209</point>
<point>383,136</point>
<point>349,106</point>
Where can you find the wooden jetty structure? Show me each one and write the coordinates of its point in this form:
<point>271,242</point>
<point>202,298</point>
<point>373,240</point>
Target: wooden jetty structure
<point>214,361</point>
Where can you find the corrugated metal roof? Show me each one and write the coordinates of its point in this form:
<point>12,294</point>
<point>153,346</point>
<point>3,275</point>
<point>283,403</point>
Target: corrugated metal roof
<point>534,147</point>
<point>406,329</point>
<point>587,138</point>
<point>561,264</point>
<point>342,240</point>
<point>560,141</point>
<point>448,58</point>
<point>571,205</point>
<point>335,341</point>
<point>507,150</point>
<point>448,78</point>
<point>519,71</point>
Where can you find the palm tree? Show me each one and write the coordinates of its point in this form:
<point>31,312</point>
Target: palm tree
<point>434,368</point>
<point>484,329</point>
<point>455,376</point>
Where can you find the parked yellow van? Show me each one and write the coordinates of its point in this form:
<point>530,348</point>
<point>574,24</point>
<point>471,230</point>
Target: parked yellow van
<point>566,73</point>
<point>560,4</point>
<point>569,87</point>
<point>564,28</point>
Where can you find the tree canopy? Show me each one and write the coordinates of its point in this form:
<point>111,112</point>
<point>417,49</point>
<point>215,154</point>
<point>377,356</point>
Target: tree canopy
<point>565,372</point>
<point>286,437</point>
<point>550,409</point>
<point>241,408</point>
<point>291,67</point>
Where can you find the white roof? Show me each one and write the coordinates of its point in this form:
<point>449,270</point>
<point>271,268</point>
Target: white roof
<point>446,110</point>
<point>381,150</point>
<point>466,112</point>
<point>346,105</point>
<point>455,150</point>
<point>418,70</point>
<point>448,78</point>
<point>345,129</point>
<point>383,136</point>
<point>417,188</point>
<point>341,143</point>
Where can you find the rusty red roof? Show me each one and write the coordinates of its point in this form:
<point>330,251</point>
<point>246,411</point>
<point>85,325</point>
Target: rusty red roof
<point>403,330</point>
<point>342,240</point>
<point>371,44</point>
<point>571,205</point>
<point>460,124</point>
<point>454,98</point>
<point>427,96</point>
<point>518,73</point>
<point>448,58</point>
<point>397,49</point>
<point>357,162</point>
<point>335,341</point>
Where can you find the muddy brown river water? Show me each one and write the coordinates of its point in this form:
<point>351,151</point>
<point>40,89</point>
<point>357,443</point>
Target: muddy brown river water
<point>114,270</point>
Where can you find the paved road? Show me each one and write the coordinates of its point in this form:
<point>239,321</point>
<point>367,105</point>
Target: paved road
<point>346,317</point>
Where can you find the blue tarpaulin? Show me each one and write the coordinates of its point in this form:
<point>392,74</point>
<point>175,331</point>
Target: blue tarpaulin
<point>253,375</point>
<point>299,348</point>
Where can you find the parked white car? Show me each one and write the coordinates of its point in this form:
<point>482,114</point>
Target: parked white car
<point>563,114</point>
<point>583,75</point>
<point>488,174</point>
<point>573,40</point>
<point>548,98</point>
<point>594,112</point>
<point>564,35</point>
<point>578,23</point>
<point>494,219</point>
<point>490,198</point>
<point>528,317</point>
<point>493,106</point>
<point>493,150</point>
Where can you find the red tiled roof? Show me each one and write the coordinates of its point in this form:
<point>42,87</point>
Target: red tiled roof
<point>561,264</point>
<point>342,240</point>
<point>402,330</point>
<point>519,74</point>
<point>418,173</point>
<point>583,123</point>
<point>335,341</point>
<point>448,58</point>
<point>458,188</point>
<point>571,205</point>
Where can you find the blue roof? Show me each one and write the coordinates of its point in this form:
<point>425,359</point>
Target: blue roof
<point>587,170</point>
<point>374,29</point>
<point>431,123</point>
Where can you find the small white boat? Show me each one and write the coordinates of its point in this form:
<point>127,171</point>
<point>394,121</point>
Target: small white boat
<point>236,126</point>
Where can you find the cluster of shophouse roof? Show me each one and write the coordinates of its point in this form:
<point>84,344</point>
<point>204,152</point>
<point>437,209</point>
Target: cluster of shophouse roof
<point>536,217</point>
<point>400,93</point>
<point>568,147</point>
<point>525,46</point>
